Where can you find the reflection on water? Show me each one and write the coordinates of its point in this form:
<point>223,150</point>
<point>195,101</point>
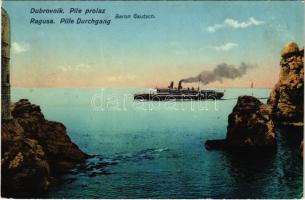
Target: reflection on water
<point>252,170</point>
<point>249,172</point>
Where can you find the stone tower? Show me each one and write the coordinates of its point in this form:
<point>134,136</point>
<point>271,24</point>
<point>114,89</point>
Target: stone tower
<point>5,66</point>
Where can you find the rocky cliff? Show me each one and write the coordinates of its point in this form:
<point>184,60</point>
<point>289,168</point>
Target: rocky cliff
<point>34,151</point>
<point>249,125</point>
<point>287,96</point>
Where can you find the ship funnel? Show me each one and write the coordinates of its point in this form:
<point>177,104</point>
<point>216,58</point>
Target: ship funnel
<point>171,86</point>
<point>180,85</point>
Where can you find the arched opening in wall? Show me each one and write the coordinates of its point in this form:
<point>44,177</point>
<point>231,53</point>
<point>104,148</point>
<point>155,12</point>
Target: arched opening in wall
<point>8,78</point>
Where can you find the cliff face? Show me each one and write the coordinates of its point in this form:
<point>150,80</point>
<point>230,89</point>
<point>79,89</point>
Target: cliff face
<point>34,150</point>
<point>287,96</point>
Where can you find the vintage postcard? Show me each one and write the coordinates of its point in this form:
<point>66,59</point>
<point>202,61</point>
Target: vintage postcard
<point>152,99</point>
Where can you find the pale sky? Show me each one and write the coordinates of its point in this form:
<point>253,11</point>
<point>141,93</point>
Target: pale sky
<point>182,40</point>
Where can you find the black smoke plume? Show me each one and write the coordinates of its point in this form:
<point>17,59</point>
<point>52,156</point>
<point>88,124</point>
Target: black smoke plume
<point>220,72</point>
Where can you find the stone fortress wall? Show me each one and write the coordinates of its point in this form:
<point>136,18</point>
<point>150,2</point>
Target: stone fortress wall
<point>5,66</point>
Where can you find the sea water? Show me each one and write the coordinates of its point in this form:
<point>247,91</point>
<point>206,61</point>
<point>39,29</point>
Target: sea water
<point>156,149</point>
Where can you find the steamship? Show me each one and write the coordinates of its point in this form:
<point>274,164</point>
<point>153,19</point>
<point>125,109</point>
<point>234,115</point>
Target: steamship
<point>171,94</point>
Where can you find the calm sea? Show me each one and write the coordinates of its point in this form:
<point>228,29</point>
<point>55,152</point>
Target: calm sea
<point>156,149</point>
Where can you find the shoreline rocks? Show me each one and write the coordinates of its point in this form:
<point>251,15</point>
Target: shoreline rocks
<point>34,151</point>
<point>249,126</point>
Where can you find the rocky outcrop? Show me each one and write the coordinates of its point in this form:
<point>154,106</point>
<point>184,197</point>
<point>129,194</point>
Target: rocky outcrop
<point>24,165</point>
<point>287,96</point>
<point>249,125</point>
<point>34,151</point>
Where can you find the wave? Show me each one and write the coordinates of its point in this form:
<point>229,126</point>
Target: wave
<point>99,165</point>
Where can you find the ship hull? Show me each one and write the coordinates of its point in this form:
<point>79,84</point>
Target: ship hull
<point>178,97</point>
